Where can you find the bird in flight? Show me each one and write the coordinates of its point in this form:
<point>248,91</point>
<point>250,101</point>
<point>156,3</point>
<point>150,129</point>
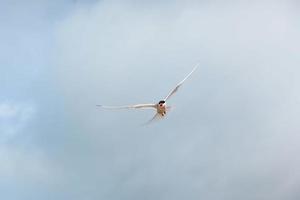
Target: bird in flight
<point>160,107</point>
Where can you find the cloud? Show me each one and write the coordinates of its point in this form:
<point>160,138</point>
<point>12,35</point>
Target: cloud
<point>232,134</point>
<point>14,118</point>
<point>25,165</point>
<point>7,111</point>
<point>235,142</point>
<point>18,164</point>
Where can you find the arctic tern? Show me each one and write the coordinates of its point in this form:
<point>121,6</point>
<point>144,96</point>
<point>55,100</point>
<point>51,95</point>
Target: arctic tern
<point>160,107</point>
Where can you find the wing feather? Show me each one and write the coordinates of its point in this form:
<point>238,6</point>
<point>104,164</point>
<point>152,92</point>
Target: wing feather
<point>137,106</point>
<point>180,83</point>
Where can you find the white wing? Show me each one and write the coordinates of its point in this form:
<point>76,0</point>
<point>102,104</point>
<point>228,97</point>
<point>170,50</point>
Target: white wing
<point>180,83</point>
<point>141,106</point>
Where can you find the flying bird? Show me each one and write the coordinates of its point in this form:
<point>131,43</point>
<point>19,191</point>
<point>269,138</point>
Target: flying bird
<point>160,107</point>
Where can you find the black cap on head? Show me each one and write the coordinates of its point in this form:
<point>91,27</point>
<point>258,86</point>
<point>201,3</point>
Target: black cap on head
<point>162,101</point>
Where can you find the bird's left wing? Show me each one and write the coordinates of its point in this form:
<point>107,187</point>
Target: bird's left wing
<point>137,106</point>
<point>180,83</point>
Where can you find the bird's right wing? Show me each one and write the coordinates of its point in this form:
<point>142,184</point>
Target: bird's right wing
<point>137,106</point>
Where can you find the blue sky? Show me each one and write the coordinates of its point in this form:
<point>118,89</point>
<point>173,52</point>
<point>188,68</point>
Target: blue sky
<point>233,132</point>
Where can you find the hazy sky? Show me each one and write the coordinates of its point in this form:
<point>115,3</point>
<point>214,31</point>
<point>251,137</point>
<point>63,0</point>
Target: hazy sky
<point>233,132</point>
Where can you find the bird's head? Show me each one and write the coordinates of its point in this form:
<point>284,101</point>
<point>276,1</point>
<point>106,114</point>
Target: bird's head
<point>161,103</point>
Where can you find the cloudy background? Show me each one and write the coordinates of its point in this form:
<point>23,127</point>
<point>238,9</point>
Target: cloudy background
<point>237,139</point>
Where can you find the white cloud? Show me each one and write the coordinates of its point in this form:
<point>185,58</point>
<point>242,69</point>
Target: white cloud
<point>14,118</point>
<point>19,164</point>
<point>245,96</point>
<point>21,161</point>
<point>7,111</point>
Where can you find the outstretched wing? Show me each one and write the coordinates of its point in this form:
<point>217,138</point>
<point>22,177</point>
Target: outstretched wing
<point>137,106</point>
<point>180,83</point>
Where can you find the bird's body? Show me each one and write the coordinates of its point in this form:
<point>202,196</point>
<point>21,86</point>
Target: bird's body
<point>160,107</point>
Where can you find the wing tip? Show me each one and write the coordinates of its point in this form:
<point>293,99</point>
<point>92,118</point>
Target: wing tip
<point>196,66</point>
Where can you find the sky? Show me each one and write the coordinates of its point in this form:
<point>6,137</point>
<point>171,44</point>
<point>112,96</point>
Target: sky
<point>232,133</point>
